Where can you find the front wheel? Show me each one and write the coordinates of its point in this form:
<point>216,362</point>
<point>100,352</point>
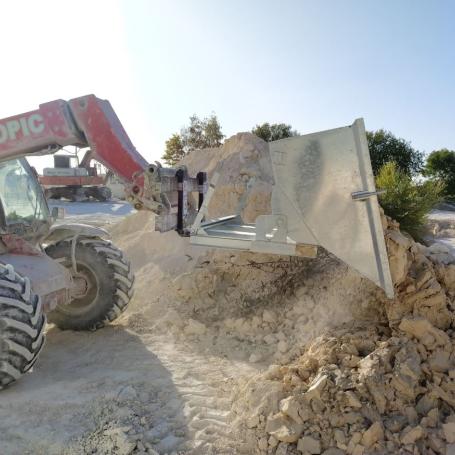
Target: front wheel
<point>22,326</point>
<point>103,284</point>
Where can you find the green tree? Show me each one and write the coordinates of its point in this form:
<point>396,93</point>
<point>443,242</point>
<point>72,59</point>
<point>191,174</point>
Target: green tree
<point>440,166</point>
<point>406,200</point>
<point>273,132</point>
<point>201,134</point>
<point>212,132</point>
<point>193,134</point>
<point>385,147</point>
<point>174,151</point>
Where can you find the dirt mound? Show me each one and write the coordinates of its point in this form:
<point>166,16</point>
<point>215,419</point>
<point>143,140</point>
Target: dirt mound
<point>250,307</point>
<point>246,176</point>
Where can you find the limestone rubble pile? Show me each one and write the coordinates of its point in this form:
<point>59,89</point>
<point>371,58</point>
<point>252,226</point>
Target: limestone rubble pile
<point>365,388</point>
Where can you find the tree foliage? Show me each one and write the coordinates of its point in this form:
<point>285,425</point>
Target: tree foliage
<point>385,147</point>
<point>440,166</point>
<point>212,132</point>
<point>273,132</point>
<point>406,200</point>
<point>199,134</point>
<point>174,151</point>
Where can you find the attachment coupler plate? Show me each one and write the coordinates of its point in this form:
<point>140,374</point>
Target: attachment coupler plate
<point>324,195</point>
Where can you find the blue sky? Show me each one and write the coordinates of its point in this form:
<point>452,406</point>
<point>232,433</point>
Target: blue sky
<point>314,64</point>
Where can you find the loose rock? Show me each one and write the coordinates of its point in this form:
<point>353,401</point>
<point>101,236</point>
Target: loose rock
<point>308,444</point>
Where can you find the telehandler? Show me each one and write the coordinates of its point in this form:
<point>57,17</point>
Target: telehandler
<point>324,195</point>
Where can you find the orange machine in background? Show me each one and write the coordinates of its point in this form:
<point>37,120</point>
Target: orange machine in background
<point>75,181</point>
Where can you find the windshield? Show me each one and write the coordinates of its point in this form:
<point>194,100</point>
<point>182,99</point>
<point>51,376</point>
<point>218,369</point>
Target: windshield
<point>22,199</point>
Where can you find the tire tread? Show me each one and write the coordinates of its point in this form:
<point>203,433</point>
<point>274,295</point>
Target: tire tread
<point>122,275</point>
<point>22,326</point>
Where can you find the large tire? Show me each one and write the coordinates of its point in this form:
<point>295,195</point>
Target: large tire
<point>108,278</point>
<point>22,325</point>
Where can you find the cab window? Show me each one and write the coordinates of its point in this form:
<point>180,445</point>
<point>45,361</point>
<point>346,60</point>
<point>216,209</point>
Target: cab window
<point>21,197</point>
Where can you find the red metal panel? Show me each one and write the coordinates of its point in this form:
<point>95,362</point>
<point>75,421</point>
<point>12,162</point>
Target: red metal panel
<point>107,138</point>
<point>18,245</point>
<point>32,131</point>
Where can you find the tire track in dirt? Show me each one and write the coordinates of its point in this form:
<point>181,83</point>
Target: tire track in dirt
<point>205,385</point>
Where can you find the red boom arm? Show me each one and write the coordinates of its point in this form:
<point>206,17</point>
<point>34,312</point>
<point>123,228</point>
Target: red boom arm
<point>86,122</point>
<point>91,122</point>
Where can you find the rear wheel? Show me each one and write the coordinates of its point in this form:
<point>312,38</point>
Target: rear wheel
<point>22,325</point>
<point>103,194</point>
<point>103,284</point>
<point>100,193</point>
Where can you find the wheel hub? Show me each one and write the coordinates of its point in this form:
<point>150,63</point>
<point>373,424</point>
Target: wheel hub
<point>81,285</point>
